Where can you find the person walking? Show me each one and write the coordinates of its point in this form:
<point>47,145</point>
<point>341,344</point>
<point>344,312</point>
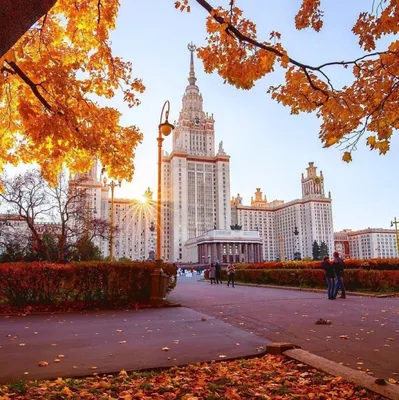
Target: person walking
<point>218,272</point>
<point>231,270</point>
<point>329,277</point>
<point>212,273</point>
<point>338,266</point>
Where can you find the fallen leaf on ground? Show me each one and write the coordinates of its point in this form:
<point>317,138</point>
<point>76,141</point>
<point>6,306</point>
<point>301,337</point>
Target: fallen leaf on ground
<point>344,337</point>
<point>43,364</point>
<point>122,342</point>
<point>165,349</point>
<point>266,377</point>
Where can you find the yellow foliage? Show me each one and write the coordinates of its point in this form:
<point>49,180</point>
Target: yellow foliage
<point>67,58</point>
<point>367,105</point>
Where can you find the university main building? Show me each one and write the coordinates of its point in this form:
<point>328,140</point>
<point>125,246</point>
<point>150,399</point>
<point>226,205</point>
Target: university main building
<point>201,222</point>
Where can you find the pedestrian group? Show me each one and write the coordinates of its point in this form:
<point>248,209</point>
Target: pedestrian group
<point>334,276</point>
<point>215,273</point>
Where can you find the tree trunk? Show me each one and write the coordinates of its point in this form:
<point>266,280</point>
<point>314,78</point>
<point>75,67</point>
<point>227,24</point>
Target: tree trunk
<point>17,16</point>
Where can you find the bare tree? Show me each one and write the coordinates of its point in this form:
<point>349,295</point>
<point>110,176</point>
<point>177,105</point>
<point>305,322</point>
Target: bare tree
<point>64,207</point>
<point>74,214</point>
<point>26,196</point>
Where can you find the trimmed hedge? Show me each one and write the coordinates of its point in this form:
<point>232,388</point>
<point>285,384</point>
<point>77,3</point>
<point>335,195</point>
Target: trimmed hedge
<point>386,264</point>
<point>78,285</point>
<point>354,279</point>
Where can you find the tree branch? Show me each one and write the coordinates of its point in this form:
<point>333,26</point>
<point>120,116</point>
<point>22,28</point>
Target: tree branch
<point>304,67</point>
<point>31,84</point>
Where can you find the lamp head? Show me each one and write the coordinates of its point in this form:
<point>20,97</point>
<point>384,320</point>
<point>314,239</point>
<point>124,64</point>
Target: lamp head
<point>105,180</point>
<point>166,128</point>
<point>120,182</point>
<point>391,224</point>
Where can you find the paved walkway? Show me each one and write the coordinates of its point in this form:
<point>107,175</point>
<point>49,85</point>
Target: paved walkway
<point>106,342</point>
<point>364,333</point>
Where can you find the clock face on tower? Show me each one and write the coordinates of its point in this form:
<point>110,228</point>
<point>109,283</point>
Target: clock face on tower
<point>317,180</point>
<point>196,121</point>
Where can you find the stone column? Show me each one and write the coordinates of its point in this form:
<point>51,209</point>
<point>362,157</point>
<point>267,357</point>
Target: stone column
<point>214,252</point>
<point>219,252</point>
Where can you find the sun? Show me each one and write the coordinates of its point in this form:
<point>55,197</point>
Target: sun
<point>143,200</point>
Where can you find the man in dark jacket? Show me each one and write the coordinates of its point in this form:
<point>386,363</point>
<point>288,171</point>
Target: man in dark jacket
<point>339,265</point>
<point>218,272</point>
<point>329,277</point>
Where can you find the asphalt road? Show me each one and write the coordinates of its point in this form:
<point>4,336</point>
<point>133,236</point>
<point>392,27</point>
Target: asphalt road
<point>75,344</point>
<point>364,333</point>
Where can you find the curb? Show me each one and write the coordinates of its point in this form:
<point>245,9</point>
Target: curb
<point>362,294</point>
<point>62,312</point>
<point>358,378</point>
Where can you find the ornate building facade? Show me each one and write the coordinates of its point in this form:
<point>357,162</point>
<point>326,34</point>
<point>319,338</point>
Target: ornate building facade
<point>289,228</point>
<point>195,178</point>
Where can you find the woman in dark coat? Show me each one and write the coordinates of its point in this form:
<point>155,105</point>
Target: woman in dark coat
<point>329,277</point>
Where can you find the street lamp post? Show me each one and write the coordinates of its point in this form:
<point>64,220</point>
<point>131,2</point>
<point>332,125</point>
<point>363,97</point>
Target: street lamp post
<point>164,129</point>
<point>396,222</point>
<point>158,278</point>
<point>112,185</point>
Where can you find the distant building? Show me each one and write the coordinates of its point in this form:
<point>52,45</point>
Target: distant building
<point>13,227</point>
<point>341,243</point>
<point>276,221</point>
<point>135,220</point>
<point>373,243</point>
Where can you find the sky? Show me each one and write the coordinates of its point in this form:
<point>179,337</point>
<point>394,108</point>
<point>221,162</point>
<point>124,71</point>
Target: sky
<point>269,148</point>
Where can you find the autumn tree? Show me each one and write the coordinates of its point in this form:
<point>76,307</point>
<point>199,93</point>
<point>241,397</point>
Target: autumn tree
<point>49,81</point>
<point>367,107</point>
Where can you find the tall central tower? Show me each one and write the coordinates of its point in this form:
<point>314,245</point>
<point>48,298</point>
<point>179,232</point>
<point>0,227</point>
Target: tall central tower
<point>195,180</point>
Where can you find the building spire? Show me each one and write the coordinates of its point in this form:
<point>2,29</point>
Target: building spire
<point>192,79</point>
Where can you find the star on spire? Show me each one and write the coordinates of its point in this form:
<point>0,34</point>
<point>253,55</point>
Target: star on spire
<point>192,79</point>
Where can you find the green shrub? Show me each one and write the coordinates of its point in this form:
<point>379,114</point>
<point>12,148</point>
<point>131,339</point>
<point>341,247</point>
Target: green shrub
<point>83,284</point>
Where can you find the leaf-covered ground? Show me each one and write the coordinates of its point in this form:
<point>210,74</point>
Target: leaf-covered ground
<point>268,377</point>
